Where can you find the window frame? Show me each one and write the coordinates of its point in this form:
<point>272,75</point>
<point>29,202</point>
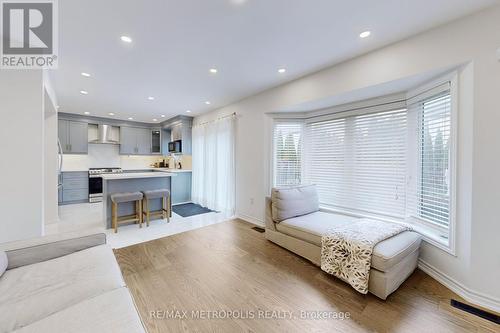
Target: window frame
<point>273,147</point>
<point>430,230</point>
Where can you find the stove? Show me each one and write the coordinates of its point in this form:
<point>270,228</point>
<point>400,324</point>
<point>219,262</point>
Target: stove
<point>95,182</point>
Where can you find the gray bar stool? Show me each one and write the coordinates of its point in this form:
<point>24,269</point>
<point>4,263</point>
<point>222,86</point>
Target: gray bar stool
<point>117,198</point>
<point>164,212</point>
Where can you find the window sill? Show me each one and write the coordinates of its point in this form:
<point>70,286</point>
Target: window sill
<point>433,237</point>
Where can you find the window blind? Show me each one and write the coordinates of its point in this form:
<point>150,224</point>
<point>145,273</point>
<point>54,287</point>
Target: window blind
<point>287,149</point>
<point>433,184</point>
<point>359,163</point>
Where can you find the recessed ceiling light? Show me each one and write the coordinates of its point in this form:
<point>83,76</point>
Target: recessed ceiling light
<point>155,119</point>
<point>126,39</point>
<point>85,74</point>
<point>163,116</point>
<point>188,111</point>
<point>111,114</point>
<point>151,98</point>
<point>83,92</point>
<point>282,70</point>
<point>213,70</point>
<point>86,112</point>
<point>130,118</point>
<point>208,103</point>
<point>365,34</point>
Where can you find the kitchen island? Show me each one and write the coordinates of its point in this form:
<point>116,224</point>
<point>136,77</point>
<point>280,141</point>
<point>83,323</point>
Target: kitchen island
<point>132,182</point>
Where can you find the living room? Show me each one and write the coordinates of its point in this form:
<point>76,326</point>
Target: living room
<point>292,166</point>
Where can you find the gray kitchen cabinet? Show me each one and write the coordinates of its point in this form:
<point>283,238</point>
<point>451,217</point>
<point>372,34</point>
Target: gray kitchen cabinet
<point>128,141</point>
<point>73,136</point>
<point>75,188</point>
<point>156,141</point>
<point>135,141</point>
<point>63,134</point>
<point>144,141</point>
<point>181,188</point>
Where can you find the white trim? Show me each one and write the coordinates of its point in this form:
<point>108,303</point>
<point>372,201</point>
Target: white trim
<point>251,219</point>
<point>469,295</point>
<point>397,100</point>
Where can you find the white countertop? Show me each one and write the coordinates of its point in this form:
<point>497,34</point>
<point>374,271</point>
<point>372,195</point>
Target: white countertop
<point>160,170</point>
<point>136,175</point>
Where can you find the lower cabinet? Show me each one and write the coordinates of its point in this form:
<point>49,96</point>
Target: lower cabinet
<point>75,188</point>
<point>181,187</point>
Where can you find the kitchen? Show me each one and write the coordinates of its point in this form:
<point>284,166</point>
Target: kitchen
<point>92,148</point>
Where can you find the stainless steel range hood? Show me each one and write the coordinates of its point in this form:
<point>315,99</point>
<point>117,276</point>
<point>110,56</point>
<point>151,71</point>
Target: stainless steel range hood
<point>106,134</point>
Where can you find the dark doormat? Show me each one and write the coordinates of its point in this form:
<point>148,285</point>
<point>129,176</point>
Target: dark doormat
<point>190,209</point>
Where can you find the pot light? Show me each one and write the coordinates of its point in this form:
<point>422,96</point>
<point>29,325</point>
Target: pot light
<point>126,39</point>
<point>151,98</point>
<point>208,103</point>
<point>85,74</point>
<point>130,118</point>
<point>111,114</point>
<point>155,119</point>
<point>213,70</point>
<point>365,34</point>
<point>281,70</point>
<point>188,111</point>
<point>83,92</point>
<point>86,112</point>
<point>163,116</point>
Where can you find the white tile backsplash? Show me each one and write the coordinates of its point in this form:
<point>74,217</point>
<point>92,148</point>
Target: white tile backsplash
<point>103,155</point>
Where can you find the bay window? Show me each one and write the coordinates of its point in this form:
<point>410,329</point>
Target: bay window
<point>392,160</point>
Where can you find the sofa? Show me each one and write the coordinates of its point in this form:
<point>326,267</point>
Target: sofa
<point>295,221</point>
<point>61,284</point>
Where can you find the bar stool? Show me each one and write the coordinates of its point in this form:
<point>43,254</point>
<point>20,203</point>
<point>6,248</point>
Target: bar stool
<point>117,198</point>
<point>164,212</point>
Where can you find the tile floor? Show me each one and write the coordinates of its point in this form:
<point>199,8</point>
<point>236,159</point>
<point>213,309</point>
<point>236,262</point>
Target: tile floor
<point>88,217</point>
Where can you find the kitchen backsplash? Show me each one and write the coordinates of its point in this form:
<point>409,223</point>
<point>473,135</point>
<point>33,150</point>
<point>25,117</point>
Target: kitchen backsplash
<point>102,155</point>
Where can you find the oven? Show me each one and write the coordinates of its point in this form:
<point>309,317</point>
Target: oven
<point>95,182</point>
<point>95,188</point>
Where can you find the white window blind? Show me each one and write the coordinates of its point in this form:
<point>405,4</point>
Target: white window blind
<point>359,163</point>
<point>287,149</point>
<point>433,174</point>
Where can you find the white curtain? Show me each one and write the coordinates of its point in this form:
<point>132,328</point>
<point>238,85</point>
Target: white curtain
<point>213,165</point>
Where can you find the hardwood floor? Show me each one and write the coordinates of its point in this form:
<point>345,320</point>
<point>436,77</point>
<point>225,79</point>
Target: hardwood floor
<point>228,269</point>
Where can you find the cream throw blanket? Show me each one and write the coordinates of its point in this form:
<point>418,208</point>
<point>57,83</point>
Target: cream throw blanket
<point>346,251</point>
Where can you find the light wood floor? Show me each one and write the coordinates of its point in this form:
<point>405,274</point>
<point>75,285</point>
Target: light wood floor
<point>230,267</point>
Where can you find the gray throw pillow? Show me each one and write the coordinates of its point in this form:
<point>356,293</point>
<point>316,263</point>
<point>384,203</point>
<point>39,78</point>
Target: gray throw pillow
<point>3,262</point>
<point>293,202</point>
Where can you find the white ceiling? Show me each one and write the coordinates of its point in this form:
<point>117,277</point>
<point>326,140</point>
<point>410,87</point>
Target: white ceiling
<point>176,42</point>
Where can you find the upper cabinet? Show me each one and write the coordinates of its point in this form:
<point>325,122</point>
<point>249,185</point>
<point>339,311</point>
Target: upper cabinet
<point>73,136</point>
<point>156,141</point>
<point>180,128</point>
<point>137,141</point>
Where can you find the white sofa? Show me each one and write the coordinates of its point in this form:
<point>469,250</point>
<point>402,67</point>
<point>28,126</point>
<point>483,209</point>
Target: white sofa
<point>65,285</point>
<point>295,222</point>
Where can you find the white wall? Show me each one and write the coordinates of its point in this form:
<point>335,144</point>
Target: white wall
<point>50,160</point>
<point>22,162</point>
<point>473,41</point>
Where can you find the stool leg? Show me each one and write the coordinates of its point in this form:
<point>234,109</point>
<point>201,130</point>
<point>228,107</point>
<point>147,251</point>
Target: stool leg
<point>169,209</point>
<point>141,210</point>
<point>114,217</point>
<point>164,208</point>
<point>147,212</point>
<point>137,213</point>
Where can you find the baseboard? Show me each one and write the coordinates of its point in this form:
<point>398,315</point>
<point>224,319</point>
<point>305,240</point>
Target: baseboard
<point>469,295</point>
<point>251,219</point>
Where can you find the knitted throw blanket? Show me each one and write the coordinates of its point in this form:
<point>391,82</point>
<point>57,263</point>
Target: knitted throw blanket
<point>346,251</point>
